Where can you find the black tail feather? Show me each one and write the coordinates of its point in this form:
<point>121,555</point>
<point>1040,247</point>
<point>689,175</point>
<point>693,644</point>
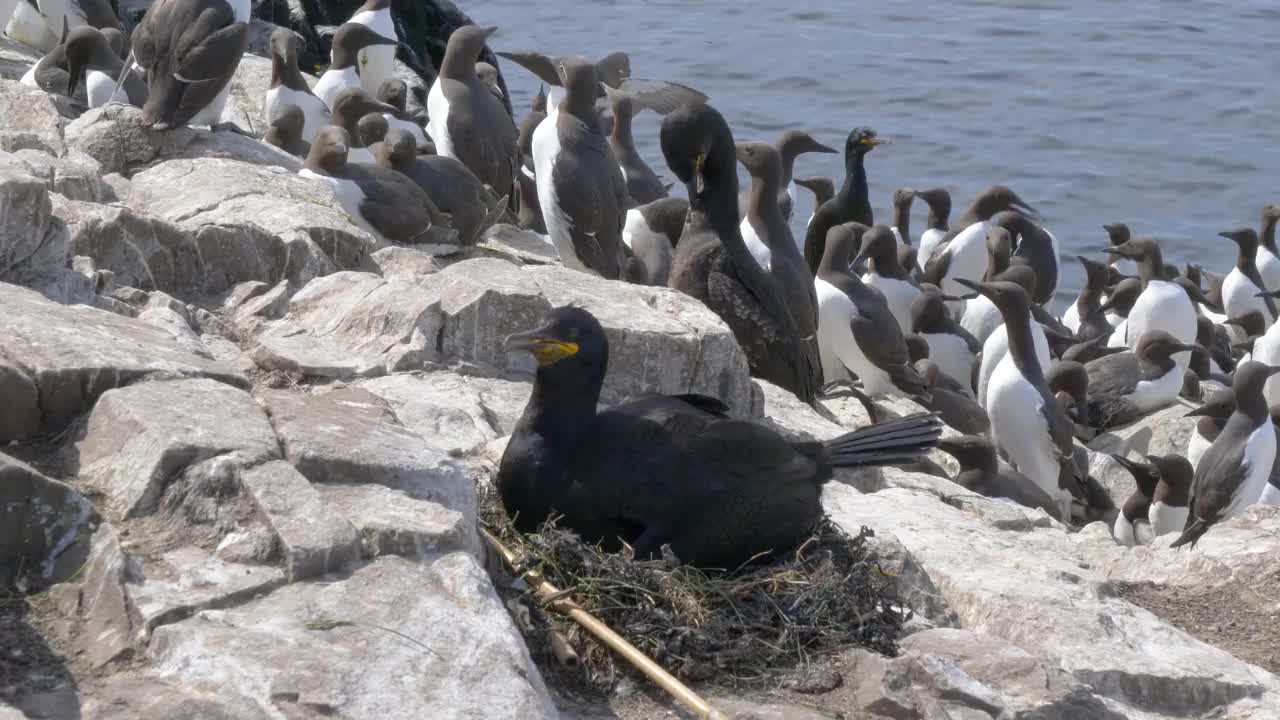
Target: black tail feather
<point>894,441</point>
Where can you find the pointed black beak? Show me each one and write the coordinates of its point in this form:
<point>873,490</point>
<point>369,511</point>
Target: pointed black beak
<point>1133,466</point>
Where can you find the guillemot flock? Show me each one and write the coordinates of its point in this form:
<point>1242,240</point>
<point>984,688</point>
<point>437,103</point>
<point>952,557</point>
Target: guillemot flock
<point>837,310</point>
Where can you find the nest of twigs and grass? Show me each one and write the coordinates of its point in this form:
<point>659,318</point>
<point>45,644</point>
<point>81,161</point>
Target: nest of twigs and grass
<point>745,627</point>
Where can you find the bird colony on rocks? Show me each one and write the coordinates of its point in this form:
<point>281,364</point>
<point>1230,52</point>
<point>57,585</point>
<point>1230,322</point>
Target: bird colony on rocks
<point>263,332</point>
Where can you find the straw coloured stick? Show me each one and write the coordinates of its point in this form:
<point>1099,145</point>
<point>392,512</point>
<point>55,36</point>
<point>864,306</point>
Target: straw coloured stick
<point>613,640</point>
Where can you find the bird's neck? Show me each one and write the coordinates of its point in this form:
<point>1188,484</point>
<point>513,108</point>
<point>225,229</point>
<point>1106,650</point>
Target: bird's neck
<point>561,407</point>
<point>902,221</point>
<point>1245,260</point>
<point>715,204</point>
<point>724,223</point>
<point>278,69</point>
<point>1151,267</point>
<point>1249,416</point>
<point>581,105</point>
<point>709,211</point>
<point>1018,322</point>
<point>1090,299</point>
<point>764,197</point>
<point>1268,235</point>
<point>1089,302</point>
<point>835,261</point>
<point>855,180</point>
<point>285,73</point>
<point>936,221</point>
<point>788,159</point>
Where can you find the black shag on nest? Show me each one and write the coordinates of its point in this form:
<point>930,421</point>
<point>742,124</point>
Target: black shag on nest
<point>669,470</point>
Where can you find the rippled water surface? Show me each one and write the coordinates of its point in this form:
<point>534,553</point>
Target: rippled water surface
<point>1164,114</point>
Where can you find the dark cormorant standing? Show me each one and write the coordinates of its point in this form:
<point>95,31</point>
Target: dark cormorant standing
<point>851,204</point>
<point>668,470</point>
<point>712,262</point>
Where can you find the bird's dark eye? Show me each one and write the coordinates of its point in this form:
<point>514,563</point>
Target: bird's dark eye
<point>573,333</point>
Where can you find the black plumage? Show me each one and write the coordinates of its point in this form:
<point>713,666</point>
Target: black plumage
<point>939,202</point>
<point>393,205</point>
<point>1114,381</point>
<point>189,49</point>
<point>1033,246</point>
<point>988,203</point>
<point>642,183</point>
<point>786,264</point>
<point>1222,486</point>
<point>481,133</point>
<point>952,400</point>
<point>851,204</point>
<point>712,262</point>
<point>668,470</point>
<point>455,189</point>
<point>1083,352</point>
<point>590,198</point>
<point>1069,382</point>
<point>875,331</point>
<point>933,321</point>
<point>1092,320</point>
<point>981,472</point>
<point>1015,307</point>
<point>530,215</point>
<point>285,131</point>
<point>903,198</point>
